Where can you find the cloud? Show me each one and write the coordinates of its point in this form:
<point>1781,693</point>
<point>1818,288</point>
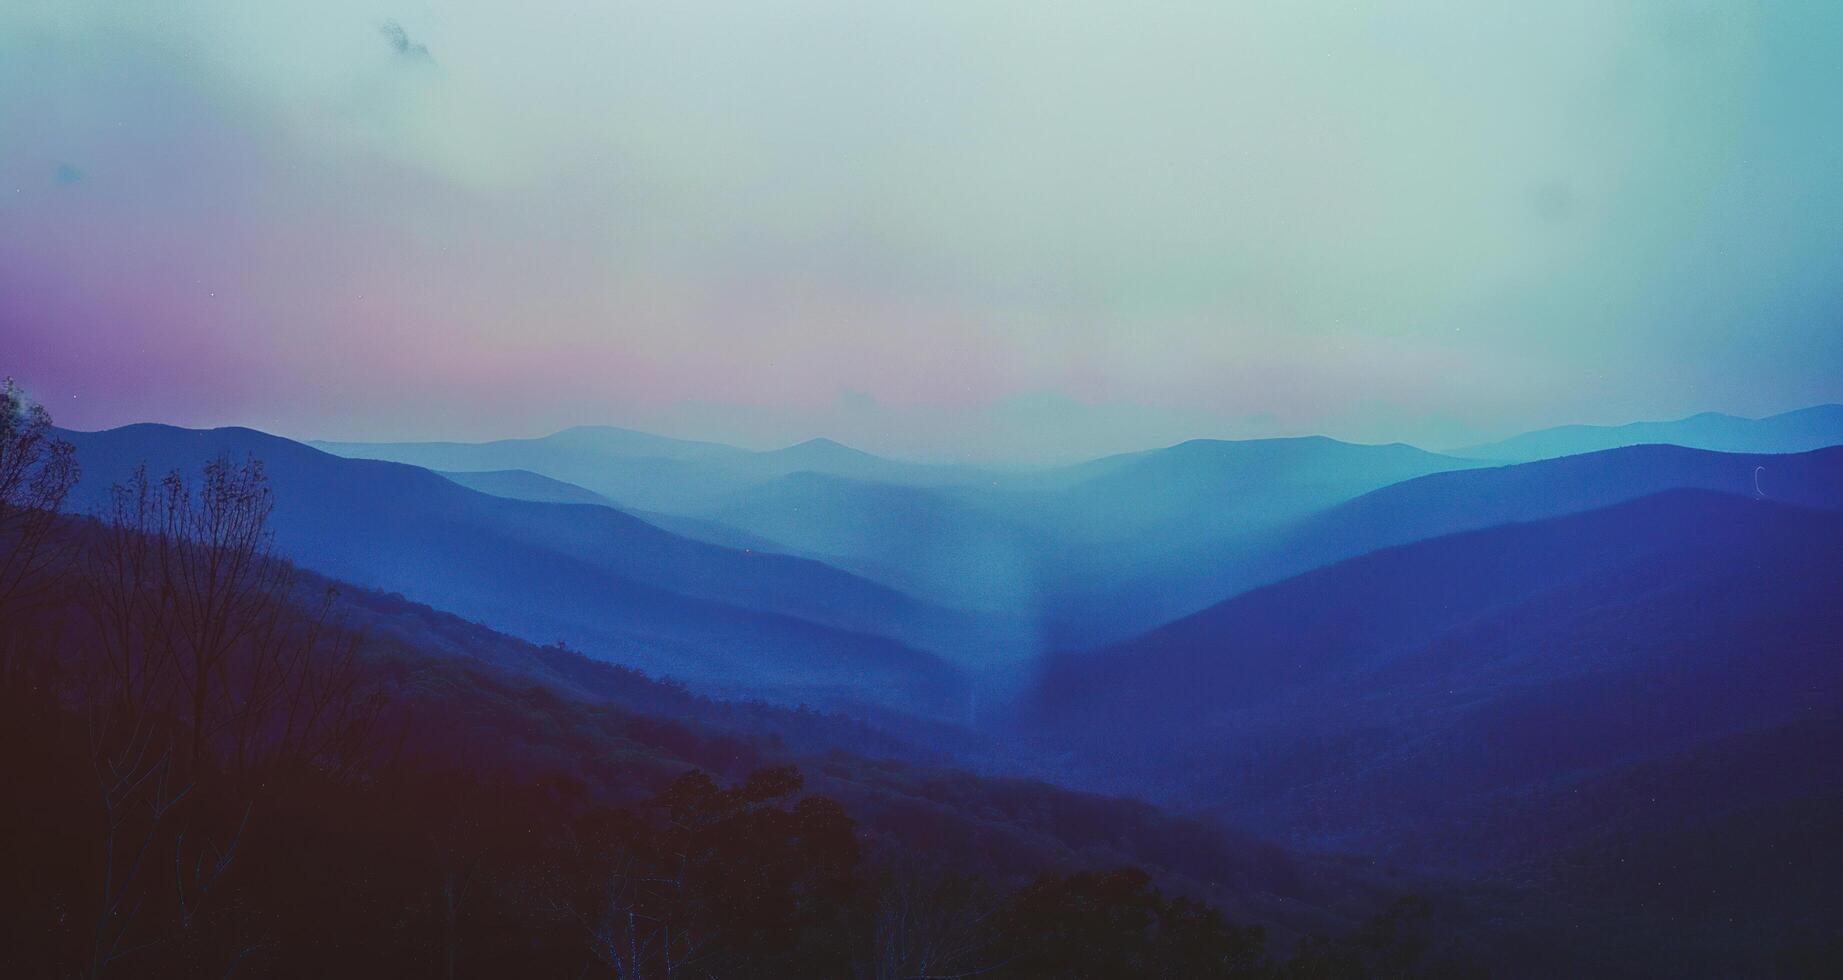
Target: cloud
<point>399,41</point>
<point>1178,217</point>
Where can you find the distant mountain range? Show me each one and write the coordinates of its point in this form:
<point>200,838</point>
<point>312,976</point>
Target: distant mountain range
<point>605,581</point>
<point>1162,516</point>
<point>1093,552</point>
<point>930,543</point>
<point>1530,662</point>
<point>1445,503</point>
<point>1011,540</point>
<point>1085,555</point>
<point>652,473</point>
<point>1791,432</point>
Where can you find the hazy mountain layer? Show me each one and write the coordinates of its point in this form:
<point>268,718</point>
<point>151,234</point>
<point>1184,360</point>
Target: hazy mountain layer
<point>526,485</point>
<point>653,473</point>
<point>1437,504</point>
<point>1791,432</point>
<point>592,575</point>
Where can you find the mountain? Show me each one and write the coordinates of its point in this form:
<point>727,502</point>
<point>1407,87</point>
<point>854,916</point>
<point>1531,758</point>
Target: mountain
<point>829,457</point>
<point>1217,486</point>
<point>1140,535</point>
<point>599,440</point>
<point>535,487</point>
<point>653,473</point>
<point>1445,503</point>
<point>1040,549</point>
<point>1023,542</point>
<point>501,768</point>
<point>711,532</point>
<point>526,485</point>
<point>1461,702</point>
<point>1654,884</point>
<point>609,583</point>
<point>1449,502</point>
<point>1791,432</point>
<point>634,469</point>
<point>926,542</point>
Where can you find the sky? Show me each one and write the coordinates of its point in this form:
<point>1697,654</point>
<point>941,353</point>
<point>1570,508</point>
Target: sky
<point>984,229</point>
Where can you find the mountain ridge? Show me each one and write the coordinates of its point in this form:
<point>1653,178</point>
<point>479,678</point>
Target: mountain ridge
<point>1500,664</point>
<point>611,582</point>
<point>1799,430</point>
<point>1448,502</point>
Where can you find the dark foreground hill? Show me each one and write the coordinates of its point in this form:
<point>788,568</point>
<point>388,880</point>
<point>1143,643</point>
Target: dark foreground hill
<point>482,807</point>
<point>1534,701</point>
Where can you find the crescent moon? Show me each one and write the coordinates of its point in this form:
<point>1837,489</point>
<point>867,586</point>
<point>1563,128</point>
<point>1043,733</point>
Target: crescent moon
<point>1756,481</point>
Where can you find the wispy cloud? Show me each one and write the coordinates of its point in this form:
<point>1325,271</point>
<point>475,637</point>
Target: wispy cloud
<point>399,41</point>
<point>1350,221</point>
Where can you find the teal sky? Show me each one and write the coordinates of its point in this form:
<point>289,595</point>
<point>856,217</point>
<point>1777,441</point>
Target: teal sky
<point>951,229</point>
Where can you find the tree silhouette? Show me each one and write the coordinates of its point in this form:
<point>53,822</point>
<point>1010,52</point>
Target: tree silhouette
<point>37,471</point>
<point>202,642</point>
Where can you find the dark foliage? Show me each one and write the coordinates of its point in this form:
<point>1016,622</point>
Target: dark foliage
<point>37,471</point>
<point>407,872</point>
<point>210,774</point>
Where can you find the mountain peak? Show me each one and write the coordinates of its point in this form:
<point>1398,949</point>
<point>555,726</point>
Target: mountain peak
<point>596,430</point>
<point>821,448</point>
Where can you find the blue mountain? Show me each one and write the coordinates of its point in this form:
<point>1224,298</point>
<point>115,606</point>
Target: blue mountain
<point>526,485</point>
<point>653,473</point>
<point>601,579</point>
<point>1439,504</point>
<point>536,487</point>
<point>1461,701</point>
<point>1791,432</point>
<point>1023,542</point>
<point>927,542</point>
<point>1131,515</point>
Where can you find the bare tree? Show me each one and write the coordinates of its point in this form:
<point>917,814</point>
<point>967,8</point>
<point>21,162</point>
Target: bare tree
<point>196,610</point>
<point>298,695</point>
<point>226,582</point>
<point>37,471</point>
<point>625,913</point>
<point>129,600</point>
<point>181,583</point>
<point>205,643</point>
<point>627,895</point>
<point>138,790</point>
<point>129,693</point>
<point>931,927</point>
